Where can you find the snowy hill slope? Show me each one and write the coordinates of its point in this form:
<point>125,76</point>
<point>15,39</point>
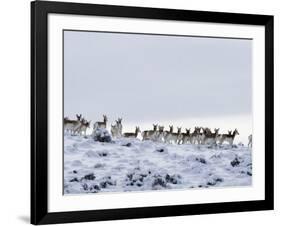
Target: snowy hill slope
<point>134,165</point>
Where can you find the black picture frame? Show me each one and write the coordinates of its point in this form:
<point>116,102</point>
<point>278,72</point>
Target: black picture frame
<point>39,112</point>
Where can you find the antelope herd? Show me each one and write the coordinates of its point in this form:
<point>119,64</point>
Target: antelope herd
<point>200,135</point>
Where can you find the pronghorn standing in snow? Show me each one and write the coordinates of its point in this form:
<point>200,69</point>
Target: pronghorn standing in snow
<point>83,127</point>
<point>116,130</point>
<point>209,137</point>
<point>195,136</point>
<point>219,137</point>
<point>250,139</point>
<point>174,137</point>
<point>160,134</point>
<point>120,127</point>
<point>98,125</point>
<point>229,137</point>
<point>180,136</point>
<point>186,136</point>
<point>132,135</point>
<point>201,136</point>
<point>168,134</point>
<point>150,134</point>
<point>72,125</point>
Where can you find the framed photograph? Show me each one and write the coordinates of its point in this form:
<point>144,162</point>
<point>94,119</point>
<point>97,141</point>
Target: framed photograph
<point>145,112</point>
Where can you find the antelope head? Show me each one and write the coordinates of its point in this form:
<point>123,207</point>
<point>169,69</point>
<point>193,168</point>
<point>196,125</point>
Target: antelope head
<point>217,130</point>
<point>197,129</point>
<point>86,123</point>
<point>79,117</point>
<point>105,118</point>
<point>235,132</point>
<point>161,128</point>
<point>179,129</point>
<point>171,129</point>
<point>155,127</point>
<point>208,130</point>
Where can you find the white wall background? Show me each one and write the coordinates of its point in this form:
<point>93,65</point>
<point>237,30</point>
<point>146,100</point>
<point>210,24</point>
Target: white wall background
<point>15,113</point>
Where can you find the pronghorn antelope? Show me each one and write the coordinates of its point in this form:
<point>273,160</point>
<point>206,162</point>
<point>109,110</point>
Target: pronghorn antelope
<point>72,125</point>
<point>201,136</point>
<point>209,137</point>
<point>168,134</point>
<point>132,135</point>
<point>160,133</point>
<point>120,126</point>
<point>186,136</point>
<point>83,126</point>
<point>219,137</point>
<point>116,130</point>
<point>98,125</point>
<point>250,139</point>
<point>229,137</point>
<point>180,136</point>
<point>150,134</point>
<point>174,137</point>
<point>206,130</point>
<point>195,136</point>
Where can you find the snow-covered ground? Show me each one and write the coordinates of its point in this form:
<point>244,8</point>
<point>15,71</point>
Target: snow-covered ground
<point>135,165</point>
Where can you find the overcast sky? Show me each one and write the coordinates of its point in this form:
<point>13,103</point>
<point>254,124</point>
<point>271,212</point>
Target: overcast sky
<point>151,77</point>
